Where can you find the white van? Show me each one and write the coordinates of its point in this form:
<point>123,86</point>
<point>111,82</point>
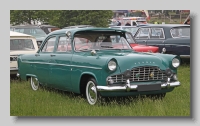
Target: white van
<point>20,44</point>
<point>134,21</point>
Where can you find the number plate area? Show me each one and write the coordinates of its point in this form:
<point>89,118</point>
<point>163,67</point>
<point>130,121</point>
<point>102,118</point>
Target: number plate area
<point>151,87</point>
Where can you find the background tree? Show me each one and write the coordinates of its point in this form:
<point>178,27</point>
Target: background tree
<point>63,18</point>
<point>27,16</point>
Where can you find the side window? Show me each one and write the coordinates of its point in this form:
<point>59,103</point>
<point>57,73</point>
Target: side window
<point>82,43</point>
<point>49,45</point>
<point>156,33</point>
<point>63,45</point>
<point>143,33</point>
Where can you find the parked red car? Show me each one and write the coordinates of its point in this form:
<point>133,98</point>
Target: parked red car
<point>130,38</point>
<point>139,47</point>
<point>144,48</point>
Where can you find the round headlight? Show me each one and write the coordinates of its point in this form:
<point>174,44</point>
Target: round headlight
<point>175,62</point>
<point>112,65</point>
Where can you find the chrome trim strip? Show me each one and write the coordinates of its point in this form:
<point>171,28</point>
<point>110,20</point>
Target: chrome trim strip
<point>133,87</point>
<point>176,45</point>
<point>56,64</point>
<point>13,69</point>
<point>185,56</point>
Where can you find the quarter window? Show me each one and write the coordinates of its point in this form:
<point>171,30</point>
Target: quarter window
<point>180,32</point>
<point>143,33</point>
<point>49,45</point>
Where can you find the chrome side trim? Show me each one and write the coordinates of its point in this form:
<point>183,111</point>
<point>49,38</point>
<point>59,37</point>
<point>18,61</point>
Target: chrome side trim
<point>13,69</point>
<point>185,56</point>
<point>56,64</point>
<point>134,87</point>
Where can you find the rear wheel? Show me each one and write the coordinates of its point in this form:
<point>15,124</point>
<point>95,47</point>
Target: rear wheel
<point>91,92</point>
<point>34,83</point>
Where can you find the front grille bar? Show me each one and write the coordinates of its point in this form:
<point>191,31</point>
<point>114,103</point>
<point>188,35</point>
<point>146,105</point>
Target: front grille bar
<point>142,74</point>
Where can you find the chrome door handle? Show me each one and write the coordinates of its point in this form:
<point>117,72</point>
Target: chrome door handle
<point>52,55</point>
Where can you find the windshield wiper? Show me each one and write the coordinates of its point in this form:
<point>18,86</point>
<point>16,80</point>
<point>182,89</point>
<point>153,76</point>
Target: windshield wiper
<point>107,46</point>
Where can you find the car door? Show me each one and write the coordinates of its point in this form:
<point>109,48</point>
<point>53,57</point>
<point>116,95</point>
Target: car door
<point>154,36</point>
<point>142,36</point>
<point>60,70</point>
<point>43,60</point>
<point>179,43</point>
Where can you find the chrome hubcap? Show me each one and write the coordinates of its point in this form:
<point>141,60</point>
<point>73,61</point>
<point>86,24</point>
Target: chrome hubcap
<point>91,93</point>
<point>34,83</point>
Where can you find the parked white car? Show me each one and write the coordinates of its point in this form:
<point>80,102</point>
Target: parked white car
<point>20,44</point>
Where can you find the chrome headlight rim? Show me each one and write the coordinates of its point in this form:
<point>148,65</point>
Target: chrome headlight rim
<point>112,65</point>
<point>175,62</point>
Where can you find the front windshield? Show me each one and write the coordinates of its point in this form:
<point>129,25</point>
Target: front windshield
<point>37,32</point>
<point>100,41</point>
<point>21,44</point>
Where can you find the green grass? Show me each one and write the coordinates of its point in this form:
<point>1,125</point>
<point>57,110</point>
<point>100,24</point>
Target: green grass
<point>48,102</point>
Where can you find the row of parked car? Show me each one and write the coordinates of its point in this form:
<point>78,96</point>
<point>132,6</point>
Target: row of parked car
<point>102,62</point>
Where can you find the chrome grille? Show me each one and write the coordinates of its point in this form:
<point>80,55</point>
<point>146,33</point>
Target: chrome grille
<point>142,74</point>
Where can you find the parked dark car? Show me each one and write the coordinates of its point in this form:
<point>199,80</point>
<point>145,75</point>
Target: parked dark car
<point>86,61</point>
<point>170,38</point>
<point>33,30</point>
<point>79,26</point>
<point>132,29</point>
<point>48,28</point>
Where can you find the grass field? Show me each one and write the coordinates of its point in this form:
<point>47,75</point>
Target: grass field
<point>47,102</point>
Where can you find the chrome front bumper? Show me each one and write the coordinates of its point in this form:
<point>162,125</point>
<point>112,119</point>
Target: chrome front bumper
<point>13,70</point>
<point>129,87</point>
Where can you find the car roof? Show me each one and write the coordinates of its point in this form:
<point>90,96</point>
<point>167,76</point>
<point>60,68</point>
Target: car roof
<point>165,25</point>
<point>12,33</point>
<point>73,30</point>
<point>24,26</point>
<point>124,26</point>
<point>78,26</point>
<point>48,26</point>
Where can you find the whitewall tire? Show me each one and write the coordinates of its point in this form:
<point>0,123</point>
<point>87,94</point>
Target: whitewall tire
<point>34,83</point>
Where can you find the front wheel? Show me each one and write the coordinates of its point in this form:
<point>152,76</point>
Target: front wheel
<point>91,92</point>
<point>34,83</point>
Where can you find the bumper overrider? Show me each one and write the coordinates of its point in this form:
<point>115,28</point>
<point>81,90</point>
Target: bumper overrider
<point>128,87</point>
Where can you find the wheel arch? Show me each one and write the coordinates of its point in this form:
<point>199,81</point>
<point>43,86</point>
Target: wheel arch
<point>30,75</point>
<point>83,80</point>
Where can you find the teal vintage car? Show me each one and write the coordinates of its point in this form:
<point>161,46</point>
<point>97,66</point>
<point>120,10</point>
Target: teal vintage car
<point>98,62</point>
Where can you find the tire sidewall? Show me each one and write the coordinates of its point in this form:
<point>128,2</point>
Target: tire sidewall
<point>91,80</point>
<point>33,85</point>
